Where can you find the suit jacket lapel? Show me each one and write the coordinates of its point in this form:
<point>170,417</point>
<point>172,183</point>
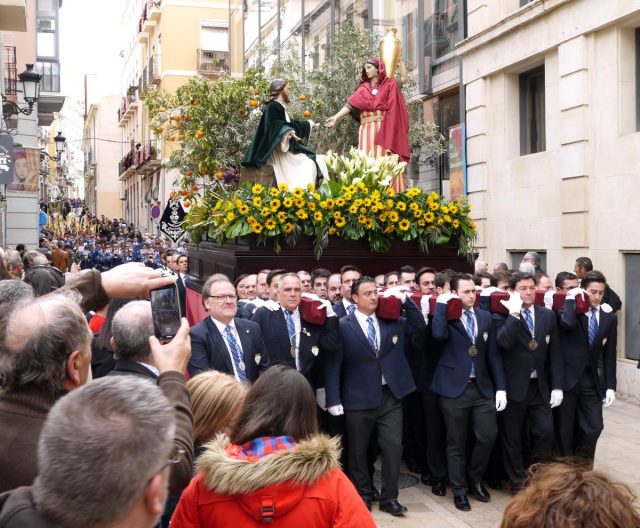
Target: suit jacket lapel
<point>352,321</point>
<point>459,326</point>
<point>218,344</point>
<point>245,338</point>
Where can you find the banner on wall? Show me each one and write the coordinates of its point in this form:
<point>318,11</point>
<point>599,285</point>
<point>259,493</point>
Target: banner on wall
<point>6,159</point>
<point>26,169</point>
<point>457,162</point>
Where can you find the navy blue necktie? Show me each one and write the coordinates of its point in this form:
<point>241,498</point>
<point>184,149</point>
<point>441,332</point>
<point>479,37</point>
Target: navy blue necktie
<point>291,327</point>
<point>236,353</point>
<point>470,326</point>
<point>528,319</point>
<point>371,333</point>
<point>593,327</point>
<point>351,308</point>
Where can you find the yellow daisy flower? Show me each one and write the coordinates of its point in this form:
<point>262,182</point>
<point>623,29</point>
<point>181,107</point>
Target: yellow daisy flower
<point>257,188</point>
<point>257,201</point>
<point>283,187</point>
<point>393,216</point>
<point>270,224</point>
<point>317,216</point>
<point>281,216</point>
<point>340,222</point>
<point>230,216</point>
<point>404,225</point>
<point>287,202</point>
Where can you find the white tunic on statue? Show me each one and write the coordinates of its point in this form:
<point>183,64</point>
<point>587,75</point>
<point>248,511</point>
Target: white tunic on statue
<point>296,170</point>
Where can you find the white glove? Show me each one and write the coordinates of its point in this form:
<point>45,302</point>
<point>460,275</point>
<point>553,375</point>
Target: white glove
<point>488,291</point>
<point>514,304</point>
<point>272,305</point>
<point>324,303</point>
<point>311,296</point>
<point>501,400</point>
<point>572,293</point>
<point>444,298</point>
<point>548,299</point>
<point>609,398</point>
<point>556,398</point>
<point>424,304</point>
<point>399,292</point>
<point>606,308</point>
<point>321,398</point>
<point>336,410</point>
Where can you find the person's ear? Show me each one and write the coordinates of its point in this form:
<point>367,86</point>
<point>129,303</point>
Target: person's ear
<point>112,344</point>
<point>73,370</point>
<point>155,494</point>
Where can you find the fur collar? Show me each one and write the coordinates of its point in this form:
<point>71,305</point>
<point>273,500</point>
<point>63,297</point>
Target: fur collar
<point>309,461</point>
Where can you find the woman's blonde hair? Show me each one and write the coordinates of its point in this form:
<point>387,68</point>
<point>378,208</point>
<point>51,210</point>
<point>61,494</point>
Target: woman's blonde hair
<point>216,399</point>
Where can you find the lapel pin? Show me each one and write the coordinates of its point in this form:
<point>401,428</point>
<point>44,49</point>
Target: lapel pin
<point>394,339</point>
<point>547,338</point>
<point>485,335</point>
<point>314,350</point>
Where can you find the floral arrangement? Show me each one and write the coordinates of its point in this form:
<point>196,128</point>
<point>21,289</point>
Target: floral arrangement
<point>357,202</point>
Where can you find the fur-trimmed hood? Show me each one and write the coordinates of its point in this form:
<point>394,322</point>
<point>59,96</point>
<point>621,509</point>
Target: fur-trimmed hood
<point>309,461</point>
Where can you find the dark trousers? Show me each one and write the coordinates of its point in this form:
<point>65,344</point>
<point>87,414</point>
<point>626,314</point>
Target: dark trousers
<point>470,407</point>
<point>334,426</point>
<point>536,411</point>
<point>359,426</point>
<point>413,435</point>
<point>436,437</point>
<point>580,419</point>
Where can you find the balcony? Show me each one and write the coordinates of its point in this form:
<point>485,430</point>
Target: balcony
<point>128,107</point>
<point>127,164</point>
<point>153,70</point>
<point>213,63</point>
<point>10,70</point>
<point>154,9</point>
<point>149,157</point>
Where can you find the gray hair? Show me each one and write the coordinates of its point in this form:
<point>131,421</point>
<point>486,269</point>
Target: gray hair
<point>285,275</point>
<point>99,447</point>
<point>216,277</point>
<point>40,260</point>
<point>535,256</point>
<point>13,258</point>
<point>131,328</point>
<point>39,338</point>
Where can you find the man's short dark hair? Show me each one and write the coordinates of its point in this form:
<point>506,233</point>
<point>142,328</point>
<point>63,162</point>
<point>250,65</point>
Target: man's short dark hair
<point>362,280</point>
<point>457,277</point>
<point>592,276</point>
<point>274,273</point>
<point>585,262</point>
<point>390,274</point>
<point>349,267</point>
<point>407,269</point>
<point>318,273</point>
<point>477,278</point>
<point>424,270</point>
<point>520,276</point>
<point>563,276</point>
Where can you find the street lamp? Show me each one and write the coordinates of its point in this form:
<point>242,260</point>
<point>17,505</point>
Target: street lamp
<point>59,140</point>
<point>31,91</point>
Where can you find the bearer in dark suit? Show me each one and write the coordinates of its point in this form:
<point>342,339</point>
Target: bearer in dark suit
<point>532,356</point>
<point>466,377</point>
<point>222,342</point>
<point>366,380</point>
<point>586,339</point>
<point>348,275</point>
<point>289,340</point>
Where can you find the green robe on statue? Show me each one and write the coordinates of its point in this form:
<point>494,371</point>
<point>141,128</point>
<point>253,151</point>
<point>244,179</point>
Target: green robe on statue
<point>293,163</point>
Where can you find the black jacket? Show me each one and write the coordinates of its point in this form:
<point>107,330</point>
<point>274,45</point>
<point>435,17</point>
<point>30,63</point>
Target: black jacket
<point>18,510</point>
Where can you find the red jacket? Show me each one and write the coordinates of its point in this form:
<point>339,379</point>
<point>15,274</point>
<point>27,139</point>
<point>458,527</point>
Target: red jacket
<point>301,488</point>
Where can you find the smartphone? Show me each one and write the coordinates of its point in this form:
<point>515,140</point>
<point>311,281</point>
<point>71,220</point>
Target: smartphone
<point>165,307</point>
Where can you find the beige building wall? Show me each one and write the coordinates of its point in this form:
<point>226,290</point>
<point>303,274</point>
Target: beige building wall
<point>107,153</point>
<point>578,197</point>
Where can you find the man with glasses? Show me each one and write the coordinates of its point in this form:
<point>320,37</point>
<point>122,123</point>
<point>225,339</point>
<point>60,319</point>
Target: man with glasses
<point>222,341</point>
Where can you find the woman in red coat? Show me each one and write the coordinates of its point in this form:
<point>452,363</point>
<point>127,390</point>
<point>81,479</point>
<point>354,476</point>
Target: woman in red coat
<point>379,106</point>
<point>276,468</point>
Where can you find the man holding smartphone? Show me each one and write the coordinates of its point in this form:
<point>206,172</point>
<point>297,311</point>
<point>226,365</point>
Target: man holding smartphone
<point>223,342</point>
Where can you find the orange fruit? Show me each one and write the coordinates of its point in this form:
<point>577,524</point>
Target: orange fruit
<point>186,118</point>
<point>194,187</point>
<point>307,114</point>
<point>183,192</point>
<point>253,103</point>
<point>219,174</point>
<point>162,109</point>
<point>186,204</point>
<point>189,173</point>
<point>242,111</point>
<point>199,134</point>
<point>195,102</point>
<point>303,97</point>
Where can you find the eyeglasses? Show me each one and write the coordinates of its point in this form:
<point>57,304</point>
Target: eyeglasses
<point>224,297</point>
<point>175,460</point>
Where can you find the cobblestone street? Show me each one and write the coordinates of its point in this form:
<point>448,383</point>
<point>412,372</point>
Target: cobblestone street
<point>618,454</point>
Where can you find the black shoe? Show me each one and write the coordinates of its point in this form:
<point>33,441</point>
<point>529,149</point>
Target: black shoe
<point>480,492</point>
<point>494,484</point>
<point>461,502</point>
<point>393,507</point>
<point>438,488</point>
<point>376,495</point>
<point>426,479</point>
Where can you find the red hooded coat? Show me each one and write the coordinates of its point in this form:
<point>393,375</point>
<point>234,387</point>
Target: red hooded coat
<point>394,130</point>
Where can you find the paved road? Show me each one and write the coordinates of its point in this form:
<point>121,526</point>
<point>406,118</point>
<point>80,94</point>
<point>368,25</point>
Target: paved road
<point>618,454</point>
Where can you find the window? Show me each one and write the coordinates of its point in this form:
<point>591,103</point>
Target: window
<point>532,108</point>
<point>516,258</point>
<point>446,114</point>
<point>524,2</point>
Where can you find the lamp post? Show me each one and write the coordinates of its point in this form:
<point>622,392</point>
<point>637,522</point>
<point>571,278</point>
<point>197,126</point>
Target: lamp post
<point>30,81</point>
<point>59,141</point>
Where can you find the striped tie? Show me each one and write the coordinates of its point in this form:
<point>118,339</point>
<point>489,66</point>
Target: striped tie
<point>291,327</point>
<point>371,333</point>
<point>351,308</point>
<point>470,325</point>
<point>236,353</point>
<point>528,319</point>
<point>593,327</point>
